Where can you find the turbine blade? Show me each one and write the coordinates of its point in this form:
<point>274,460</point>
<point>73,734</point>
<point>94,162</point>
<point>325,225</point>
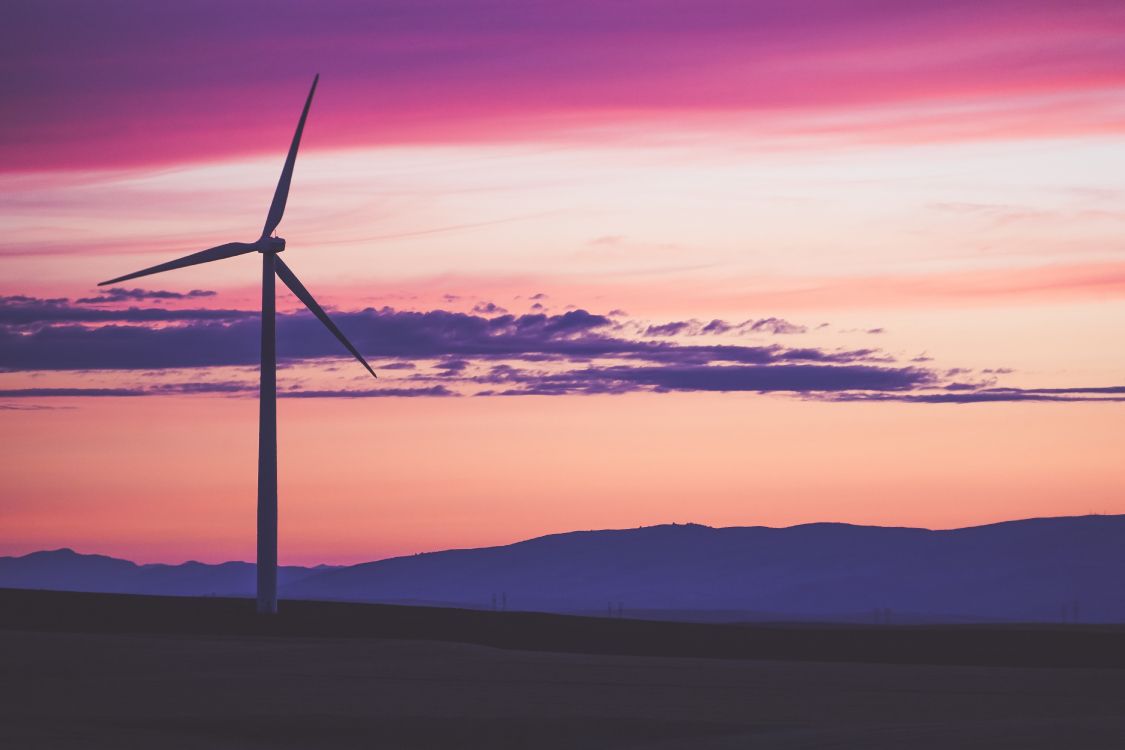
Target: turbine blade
<point>229,250</point>
<point>281,194</point>
<point>298,289</point>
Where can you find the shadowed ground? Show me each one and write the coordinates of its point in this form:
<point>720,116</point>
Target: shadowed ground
<point>62,687</point>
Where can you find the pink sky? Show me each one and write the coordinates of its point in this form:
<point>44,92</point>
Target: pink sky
<point>920,200</point>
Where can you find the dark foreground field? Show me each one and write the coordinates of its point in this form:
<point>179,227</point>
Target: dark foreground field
<point>89,670</point>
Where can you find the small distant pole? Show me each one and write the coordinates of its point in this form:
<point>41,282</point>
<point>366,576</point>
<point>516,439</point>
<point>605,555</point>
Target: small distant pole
<point>620,609</point>
<point>504,601</point>
<point>493,601</point>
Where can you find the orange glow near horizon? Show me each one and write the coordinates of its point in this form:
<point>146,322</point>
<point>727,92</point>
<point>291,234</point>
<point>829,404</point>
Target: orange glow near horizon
<point>374,478</point>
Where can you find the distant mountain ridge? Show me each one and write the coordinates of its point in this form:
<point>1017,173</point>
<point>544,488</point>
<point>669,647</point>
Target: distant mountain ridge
<point>64,569</point>
<point>1041,569</point>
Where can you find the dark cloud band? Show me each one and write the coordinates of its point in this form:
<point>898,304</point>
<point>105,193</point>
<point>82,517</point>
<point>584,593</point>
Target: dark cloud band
<point>576,352</point>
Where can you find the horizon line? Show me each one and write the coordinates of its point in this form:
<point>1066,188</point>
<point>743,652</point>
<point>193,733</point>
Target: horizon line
<point>670,524</point>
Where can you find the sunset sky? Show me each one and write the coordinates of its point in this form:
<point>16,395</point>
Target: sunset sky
<point>615,263</point>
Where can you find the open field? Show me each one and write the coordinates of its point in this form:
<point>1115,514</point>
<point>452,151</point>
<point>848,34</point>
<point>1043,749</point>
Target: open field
<point>204,673</point>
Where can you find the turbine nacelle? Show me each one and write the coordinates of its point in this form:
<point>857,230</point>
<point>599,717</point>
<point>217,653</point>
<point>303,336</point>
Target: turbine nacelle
<point>270,245</point>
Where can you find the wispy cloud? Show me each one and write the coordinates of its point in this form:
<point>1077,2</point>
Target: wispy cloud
<point>220,388</point>
<point>970,395</point>
<point>796,378</point>
<point>22,310</point>
<point>119,294</point>
<point>718,327</point>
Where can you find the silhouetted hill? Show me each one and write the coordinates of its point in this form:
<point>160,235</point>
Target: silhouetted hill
<point>1046,569</point>
<point>66,570</point>
<point>1028,570</point>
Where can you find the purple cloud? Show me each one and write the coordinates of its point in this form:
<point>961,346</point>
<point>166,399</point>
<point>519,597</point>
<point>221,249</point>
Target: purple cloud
<point>758,378</point>
<point>669,329</point>
<point>451,367</point>
<point>56,340</point>
<point>222,388</point>
<point>431,392</point>
<point>119,294</point>
<point>716,327</point>
<point>774,325</point>
<point>992,395</point>
<point>66,392</point>
<point>20,310</point>
<point>488,308</point>
<point>573,352</point>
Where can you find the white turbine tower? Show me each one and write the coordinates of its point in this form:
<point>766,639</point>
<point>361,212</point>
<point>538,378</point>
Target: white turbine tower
<point>269,246</point>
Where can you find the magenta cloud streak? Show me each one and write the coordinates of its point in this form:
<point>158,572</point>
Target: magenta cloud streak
<point>123,83</point>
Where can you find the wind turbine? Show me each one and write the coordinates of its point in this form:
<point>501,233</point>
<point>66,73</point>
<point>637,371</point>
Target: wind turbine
<point>269,245</point>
